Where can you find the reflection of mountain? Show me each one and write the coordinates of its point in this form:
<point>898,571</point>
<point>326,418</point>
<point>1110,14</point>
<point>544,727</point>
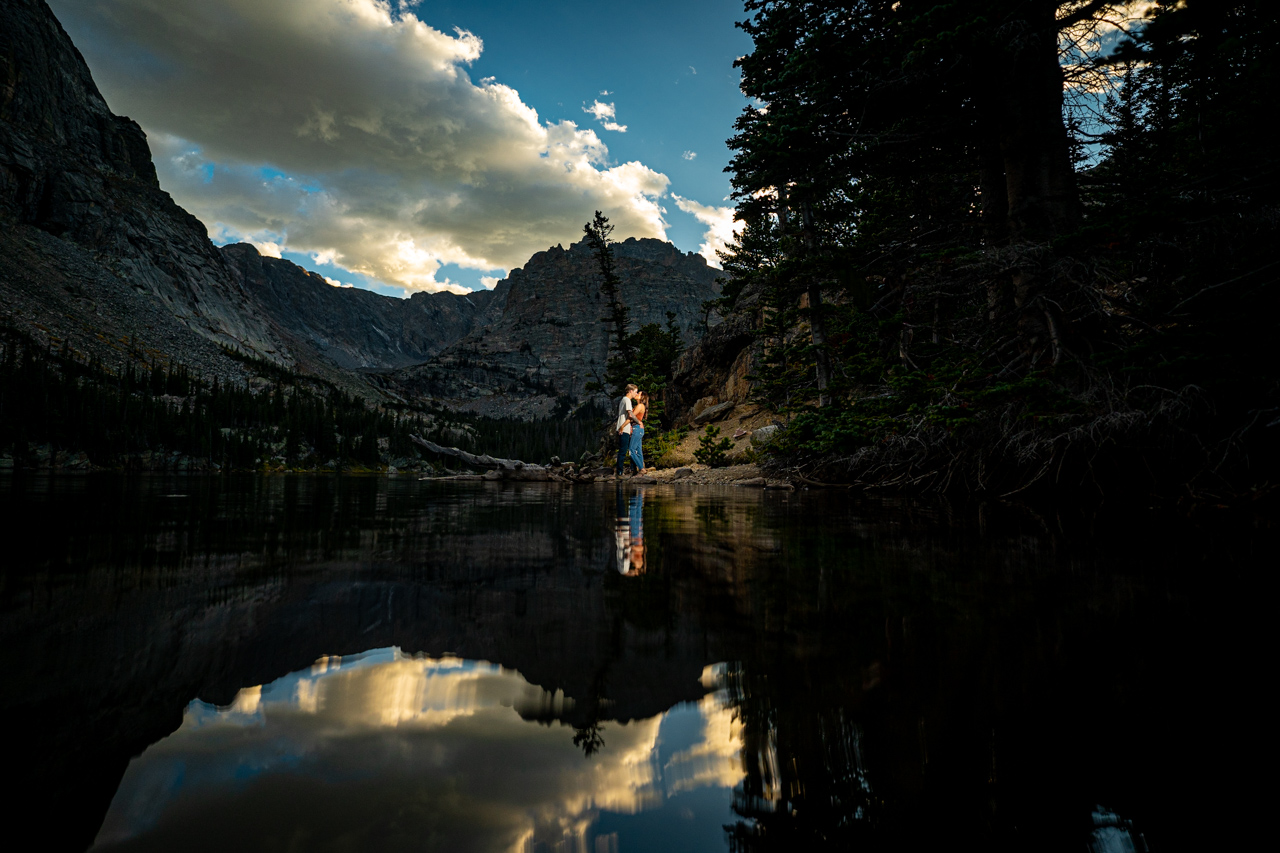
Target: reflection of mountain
<point>440,744</point>
<point>272,586</point>
<point>894,673</point>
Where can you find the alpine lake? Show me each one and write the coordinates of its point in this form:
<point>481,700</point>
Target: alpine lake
<point>382,663</point>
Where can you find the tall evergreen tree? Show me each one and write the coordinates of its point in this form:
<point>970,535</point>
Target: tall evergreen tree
<point>597,233</point>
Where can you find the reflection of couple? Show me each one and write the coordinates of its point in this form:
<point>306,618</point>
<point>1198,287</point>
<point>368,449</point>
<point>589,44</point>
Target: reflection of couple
<point>630,426</point>
<point>629,534</point>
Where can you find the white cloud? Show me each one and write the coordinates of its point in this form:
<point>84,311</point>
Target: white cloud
<point>601,110</point>
<point>336,283</point>
<point>692,70</point>
<point>689,155</point>
<point>347,130</point>
<point>721,224</point>
<point>605,114</point>
<point>489,282</point>
<point>267,248</point>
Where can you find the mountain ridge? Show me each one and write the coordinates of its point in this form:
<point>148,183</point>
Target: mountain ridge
<point>96,258</point>
<point>542,339</point>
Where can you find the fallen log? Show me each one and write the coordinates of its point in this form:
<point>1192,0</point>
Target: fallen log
<point>510,469</point>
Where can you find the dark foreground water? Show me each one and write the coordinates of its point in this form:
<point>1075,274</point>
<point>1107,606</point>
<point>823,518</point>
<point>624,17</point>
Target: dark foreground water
<point>312,663</point>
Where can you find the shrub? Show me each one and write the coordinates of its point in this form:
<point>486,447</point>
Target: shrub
<point>660,447</point>
<point>711,448</point>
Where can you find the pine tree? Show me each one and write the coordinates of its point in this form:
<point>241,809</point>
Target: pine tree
<point>597,234</point>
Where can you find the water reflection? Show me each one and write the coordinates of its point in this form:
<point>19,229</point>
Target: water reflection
<point>810,670</point>
<point>629,531</point>
<point>446,747</point>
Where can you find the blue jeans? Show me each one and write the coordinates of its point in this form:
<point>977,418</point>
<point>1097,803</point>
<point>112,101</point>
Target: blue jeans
<point>624,449</point>
<point>637,447</point>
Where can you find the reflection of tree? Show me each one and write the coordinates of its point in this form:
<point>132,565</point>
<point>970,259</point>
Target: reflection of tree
<point>805,785</point>
<point>588,734</point>
<point>588,738</point>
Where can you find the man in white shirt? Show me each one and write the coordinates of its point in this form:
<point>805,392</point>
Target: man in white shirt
<point>624,423</point>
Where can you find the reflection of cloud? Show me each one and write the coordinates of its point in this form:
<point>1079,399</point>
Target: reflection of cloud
<point>721,227</point>
<point>438,745</point>
<point>247,702</point>
<point>350,127</point>
<point>714,760</point>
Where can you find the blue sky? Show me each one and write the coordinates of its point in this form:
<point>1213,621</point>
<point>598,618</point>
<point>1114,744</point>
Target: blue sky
<point>667,65</point>
<point>378,145</point>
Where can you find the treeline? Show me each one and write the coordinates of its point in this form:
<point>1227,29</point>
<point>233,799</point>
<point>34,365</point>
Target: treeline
<point>1000,244</point>
<point>55,401</point>
<point>566,434</point>
<point>60,400</point>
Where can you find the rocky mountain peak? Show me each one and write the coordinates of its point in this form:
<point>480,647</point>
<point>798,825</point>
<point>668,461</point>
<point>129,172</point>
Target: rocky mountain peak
<point>542,338</point>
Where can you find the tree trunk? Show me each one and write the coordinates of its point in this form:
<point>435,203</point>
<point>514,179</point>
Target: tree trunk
<point>995,208</point>
<point>817,322</point>
<point>1039,180</point>
<point>1040,187</point>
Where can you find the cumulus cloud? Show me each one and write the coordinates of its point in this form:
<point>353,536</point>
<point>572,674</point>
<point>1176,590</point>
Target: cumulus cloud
<point>721,223</point>
<point>267,248</point>
<point>351,129</point>
<point>605,114</point>
<point>689,155</point>
<point>601,111</point>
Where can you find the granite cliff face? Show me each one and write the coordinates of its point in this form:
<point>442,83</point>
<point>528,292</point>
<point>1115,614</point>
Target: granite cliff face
<point>542,337</point>
<point>718,368</point>
<point>354,328</point>
<point>72,170</point>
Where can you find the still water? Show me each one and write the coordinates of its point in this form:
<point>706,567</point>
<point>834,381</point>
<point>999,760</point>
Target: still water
<point>324,663</point>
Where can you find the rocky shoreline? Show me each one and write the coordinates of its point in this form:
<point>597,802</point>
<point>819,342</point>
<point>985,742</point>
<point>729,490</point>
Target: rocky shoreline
<point>745,474</point>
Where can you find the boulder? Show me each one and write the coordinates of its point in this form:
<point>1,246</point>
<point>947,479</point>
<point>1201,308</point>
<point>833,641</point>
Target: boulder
<point>764,435</point>
<point>714,413</point>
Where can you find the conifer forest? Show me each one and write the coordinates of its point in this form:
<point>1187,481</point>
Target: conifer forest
<point>996,245</point>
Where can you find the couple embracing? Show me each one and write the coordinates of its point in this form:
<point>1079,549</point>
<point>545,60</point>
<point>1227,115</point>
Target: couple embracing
<point>630,427</point>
